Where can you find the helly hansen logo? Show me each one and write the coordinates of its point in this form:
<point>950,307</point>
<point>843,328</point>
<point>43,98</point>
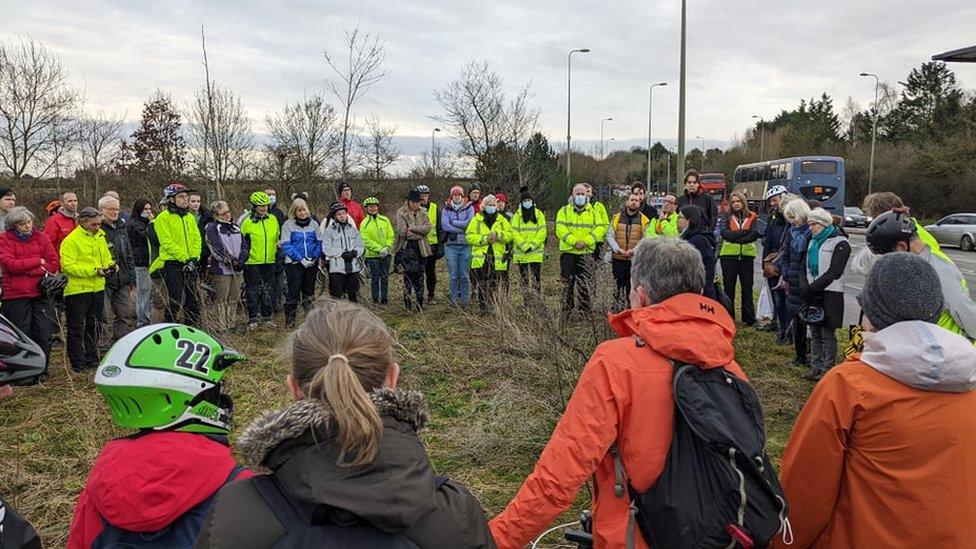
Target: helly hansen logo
<point>706,308</point>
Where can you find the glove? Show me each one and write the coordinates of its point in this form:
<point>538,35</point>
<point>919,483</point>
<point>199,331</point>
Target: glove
<point>349,255</point>
<point>190,267</point>
<point>307,263</point>
<point>808,294</point>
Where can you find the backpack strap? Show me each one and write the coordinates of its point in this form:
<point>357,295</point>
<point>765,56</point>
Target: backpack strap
<point>290,517</point>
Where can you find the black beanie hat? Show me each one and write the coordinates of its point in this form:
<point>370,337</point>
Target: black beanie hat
<point>524,194</point>
<point>4,191</point>
<point>413,196</point>
<point>341,186</point>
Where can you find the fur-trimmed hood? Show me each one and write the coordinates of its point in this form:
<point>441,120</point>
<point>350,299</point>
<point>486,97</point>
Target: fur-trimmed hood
<point>271,429</point>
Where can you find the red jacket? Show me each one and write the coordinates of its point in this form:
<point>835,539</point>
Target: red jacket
<point>57,228</point>
<point>624,395</point>
<point>356,211</point>
<point>21,263</point>
<point>144,483</point>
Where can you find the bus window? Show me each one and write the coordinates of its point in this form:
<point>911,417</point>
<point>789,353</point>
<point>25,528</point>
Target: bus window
<point>818,167</point>
<point>737,177</point>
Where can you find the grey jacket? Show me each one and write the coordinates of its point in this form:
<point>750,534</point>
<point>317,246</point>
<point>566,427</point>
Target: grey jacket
<point>338,238</point>
<point>396,493</point>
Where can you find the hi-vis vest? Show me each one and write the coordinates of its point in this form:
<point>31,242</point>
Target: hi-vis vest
<point>477,236</point>
<point>628,235</point>
<point>731,249</point>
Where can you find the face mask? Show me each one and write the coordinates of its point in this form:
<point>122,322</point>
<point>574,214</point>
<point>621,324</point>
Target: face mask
<point>144,215</point>
<point>579,200</point>
<point>527,204</point>
<point>456,204</point>
<point>490,210</point>
<point>273,199</point>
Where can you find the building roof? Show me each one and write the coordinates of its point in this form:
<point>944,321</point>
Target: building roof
<point>962,55</point>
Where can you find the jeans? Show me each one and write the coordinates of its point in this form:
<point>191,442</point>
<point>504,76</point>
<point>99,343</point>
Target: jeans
<point>823,352</point>
<point>143,297</point>
<point>459,265</point>
<point>379,278</point>
<point>779,307</point>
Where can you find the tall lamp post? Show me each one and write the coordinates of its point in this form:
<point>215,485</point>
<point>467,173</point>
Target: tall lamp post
<point>602,143</point>
<point>681,96</point>
<point>569,107</point>
<point>650,107</point>
<point>433,163</point>
<point>874,128</point>
<point>702,139</point>
<point>762,137</point>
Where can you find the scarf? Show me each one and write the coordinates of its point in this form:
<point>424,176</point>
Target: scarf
<point>490,219</point>
<point>528,214</point>
<point>21,236</point>
<point>303,222</point>
<point>813,254</point>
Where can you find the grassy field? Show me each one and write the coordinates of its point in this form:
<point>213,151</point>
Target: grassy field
<point>496,385</point>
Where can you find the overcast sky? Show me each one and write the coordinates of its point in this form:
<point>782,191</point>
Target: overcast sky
<point>744,57</point>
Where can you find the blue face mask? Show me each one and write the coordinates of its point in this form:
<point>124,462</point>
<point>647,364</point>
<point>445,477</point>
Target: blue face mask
<point>457,204</point>
<point>527,204</point>
<point>273,199</point>
<point>579,200</point>
<point>490,210</point>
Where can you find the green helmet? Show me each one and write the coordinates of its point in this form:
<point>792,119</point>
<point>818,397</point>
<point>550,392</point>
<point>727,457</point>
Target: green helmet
<point>371,201</point>
<point>260,198</point>
<point>167,377</point>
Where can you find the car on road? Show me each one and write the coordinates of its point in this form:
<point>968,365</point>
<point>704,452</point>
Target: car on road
<point>955,230</point>
<point>854,217</point>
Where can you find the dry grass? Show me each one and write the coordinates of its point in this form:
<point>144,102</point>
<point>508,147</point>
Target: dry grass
<point>497,384</point>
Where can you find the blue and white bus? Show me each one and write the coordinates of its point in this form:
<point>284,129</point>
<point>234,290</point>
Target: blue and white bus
<point>819,178</point>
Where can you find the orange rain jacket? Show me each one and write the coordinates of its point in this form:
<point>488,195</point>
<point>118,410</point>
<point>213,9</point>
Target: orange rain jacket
<point>623,396</point>
<point>884,452</point>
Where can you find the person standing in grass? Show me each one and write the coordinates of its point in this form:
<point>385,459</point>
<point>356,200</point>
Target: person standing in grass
<point>343,246</point>
<point>455,219</point>
<point>488,235</point>
<point>228,252</point>
<point>412,226</point>
<point>694,228</point>
<point>578,228</point>
<point>300,240</point>
<point>738,254</point>
<point>791,267</point>
<point>378,236</point>
<point>626,230</point>
<point>529,232</point>
<point>434,239</point>
<point>261,230</point>
<point>138,228</point>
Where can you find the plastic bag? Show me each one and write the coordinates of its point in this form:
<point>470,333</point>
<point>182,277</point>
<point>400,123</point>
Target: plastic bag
<point>765,309</point>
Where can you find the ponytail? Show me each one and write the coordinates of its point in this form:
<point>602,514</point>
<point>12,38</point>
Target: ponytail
<point>356,417</point>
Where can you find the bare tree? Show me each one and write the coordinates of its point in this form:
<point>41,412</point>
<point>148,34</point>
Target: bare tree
<point>378,149</point>
<point>304,133</point>
<point>220,134</point>
<point>37,108</point>
<point>99,135</point>
<point>362,70</point>
<point>435,163</point>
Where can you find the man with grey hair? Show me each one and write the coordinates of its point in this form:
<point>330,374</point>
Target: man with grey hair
<point>118,285</point>
<point>579,229</point>
<point>58,226</point>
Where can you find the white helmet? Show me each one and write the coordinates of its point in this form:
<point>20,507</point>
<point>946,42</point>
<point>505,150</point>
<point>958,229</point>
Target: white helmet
<point>775,190</point>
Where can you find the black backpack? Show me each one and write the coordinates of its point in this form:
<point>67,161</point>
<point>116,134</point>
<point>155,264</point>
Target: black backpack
<point>718,487</point>
<point>319,526</point>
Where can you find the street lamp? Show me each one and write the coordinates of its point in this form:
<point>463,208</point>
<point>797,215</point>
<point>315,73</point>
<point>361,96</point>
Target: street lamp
<point>650,105</point>
<point>601,134</point>
<point>433,164</point>
<point>681,94</point>
<point>874,128</point>
<point>762,137</point>
<point>702,152</point>
<point>569,106</point>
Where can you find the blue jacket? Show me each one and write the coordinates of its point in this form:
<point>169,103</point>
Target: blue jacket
<point>300,243</point>
<point>792,262</point>
<point>455,224</point>
<point>776,227</point>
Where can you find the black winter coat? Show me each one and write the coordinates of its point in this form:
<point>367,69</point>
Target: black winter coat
<point>117,238</point>
<point>396,493</point>
<point>704,201</point>
<point>139,240</point>
<point>776,228</point>
<point>704,241</point>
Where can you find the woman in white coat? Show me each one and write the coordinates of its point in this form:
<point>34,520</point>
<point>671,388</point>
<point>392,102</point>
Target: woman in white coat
<point>343,246</point>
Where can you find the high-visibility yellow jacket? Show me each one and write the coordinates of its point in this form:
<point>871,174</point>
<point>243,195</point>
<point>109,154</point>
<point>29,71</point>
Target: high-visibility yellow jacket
<point>179,238</point>
<point>264,233</point>
<point>477,236</point>
<point>433,214</point>
<point>82,255</point>
<point>529,239</point>
<point>378,235</point>
<point>573,225</point>
<point>601,216</point>
<point>663,227</point>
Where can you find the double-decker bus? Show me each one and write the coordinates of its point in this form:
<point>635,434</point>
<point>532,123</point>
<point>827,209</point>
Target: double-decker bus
<point>819,178</point>
<point>716,186</point>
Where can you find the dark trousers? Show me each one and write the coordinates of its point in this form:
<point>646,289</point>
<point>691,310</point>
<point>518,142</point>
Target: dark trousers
<point>344,284</point>
<point>278,290</point>
<point>413,286</point>
<point>379,278</point>
<point>740,270</point>
<point>533,284</point>
<point>799,339</point>
<point>430,272</point>
<point>486,284</point>
<point>575,273</point>
<point>301,288</point>
<point>621,275</point>
<point>779,307</point>
<point>84,314</point>
<point>259,283</point>
<point>35,317</point>
<point>181,291</point>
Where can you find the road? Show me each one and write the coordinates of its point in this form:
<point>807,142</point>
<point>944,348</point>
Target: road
<point>854,282</point>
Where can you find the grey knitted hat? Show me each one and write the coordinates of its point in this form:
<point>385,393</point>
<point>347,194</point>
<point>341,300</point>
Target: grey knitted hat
<point>901,286</point>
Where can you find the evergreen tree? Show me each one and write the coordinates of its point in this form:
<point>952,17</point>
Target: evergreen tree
<point>156,153</point>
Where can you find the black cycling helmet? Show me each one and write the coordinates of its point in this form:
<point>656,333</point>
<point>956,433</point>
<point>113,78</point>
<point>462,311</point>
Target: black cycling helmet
<point>888,229</point>
<point>812,315</point>
<point>21,360</point>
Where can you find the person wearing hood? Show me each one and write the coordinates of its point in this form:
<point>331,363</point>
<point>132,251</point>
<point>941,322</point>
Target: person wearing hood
<point>822,285</point>
<point>529,233</point>
<point>695,195</point>
<point>694,228</point>
<point>455,218</point>
<point>791,265</point>
<point>354,209</point>
<point>624,396</point>
<point>301,241</point>
<point>154,487</point>
<point>348,444</point>
<point>488,234</point>
<point>64,221</point>
<point>228,252</point>
<point>343,246</point>
<point>138,229</point>
<point>7,201</point>
<point>179,248</point>
<point>411,226</point>
<point>882,454</point>
<point>626,230</point>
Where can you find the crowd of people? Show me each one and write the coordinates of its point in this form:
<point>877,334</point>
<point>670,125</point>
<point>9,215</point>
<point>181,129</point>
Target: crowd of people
<point>886,437</point>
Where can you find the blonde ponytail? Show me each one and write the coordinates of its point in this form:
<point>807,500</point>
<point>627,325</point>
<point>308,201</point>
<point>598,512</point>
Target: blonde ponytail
<point>339,355</point>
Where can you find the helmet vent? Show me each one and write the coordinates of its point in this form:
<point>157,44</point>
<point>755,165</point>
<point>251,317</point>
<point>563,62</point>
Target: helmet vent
<point>169,401</point>
<point>136,404</point>
<point>157,340</point>
<point>128,412</point>
<point>175,333</point>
